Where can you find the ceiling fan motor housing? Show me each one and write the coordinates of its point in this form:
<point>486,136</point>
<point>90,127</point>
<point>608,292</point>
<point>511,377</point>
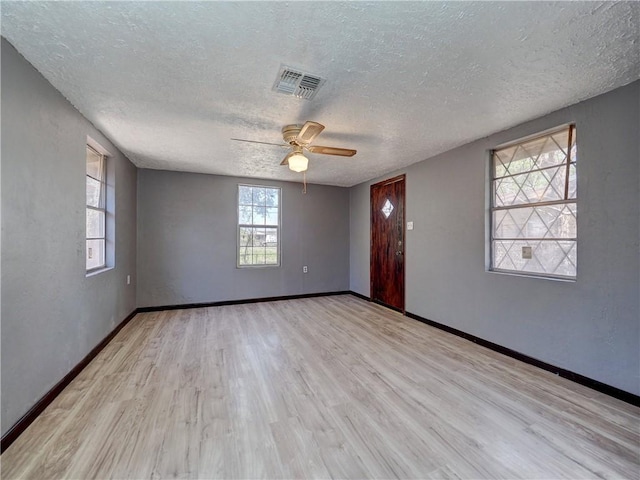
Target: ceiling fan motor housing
<point>290,132</point>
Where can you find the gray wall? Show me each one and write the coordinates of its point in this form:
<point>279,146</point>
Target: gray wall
<point>187,240</point>
<point>591,326</point>
<point>52,314</point>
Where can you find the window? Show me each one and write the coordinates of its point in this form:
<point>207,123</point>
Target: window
<point>533,211</point>
<point>96,210</point>
<point>258,226</point>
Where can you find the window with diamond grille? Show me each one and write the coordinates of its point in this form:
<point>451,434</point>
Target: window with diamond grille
<point>258,226</point>
<point>533,212</point>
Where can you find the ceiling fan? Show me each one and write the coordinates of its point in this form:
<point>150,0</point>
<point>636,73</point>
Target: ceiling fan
<point>299,138</point>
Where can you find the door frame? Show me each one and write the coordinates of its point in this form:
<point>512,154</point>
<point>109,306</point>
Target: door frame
<point>388,181</point>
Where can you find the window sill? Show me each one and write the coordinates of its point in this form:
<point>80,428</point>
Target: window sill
<point>532,275</point>
<point>93,273</point>
<point>242,267</point>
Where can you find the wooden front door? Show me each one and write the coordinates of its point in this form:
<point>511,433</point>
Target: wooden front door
<point>387,242</point>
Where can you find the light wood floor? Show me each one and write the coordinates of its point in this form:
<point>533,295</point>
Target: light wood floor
<point>324,387</point>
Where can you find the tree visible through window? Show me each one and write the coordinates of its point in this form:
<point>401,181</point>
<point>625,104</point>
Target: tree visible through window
<point>258,226</point>
<point>96,209</point>
<point>534,210</point>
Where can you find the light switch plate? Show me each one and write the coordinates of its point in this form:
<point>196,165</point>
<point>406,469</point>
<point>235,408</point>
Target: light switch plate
<point>409,225</point>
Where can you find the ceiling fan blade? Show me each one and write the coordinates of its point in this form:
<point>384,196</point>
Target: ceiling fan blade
<point>285,161</point>
<point>263,143</point>
<point>343,152</point>
<point>308,132</point>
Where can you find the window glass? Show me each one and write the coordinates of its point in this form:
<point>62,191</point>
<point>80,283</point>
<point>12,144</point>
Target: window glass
<point>96,213</point>
<point>534,207</point>
<point>258,226</point>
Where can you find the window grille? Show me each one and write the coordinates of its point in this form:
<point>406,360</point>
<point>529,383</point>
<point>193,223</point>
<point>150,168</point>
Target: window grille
<point>534,206</point>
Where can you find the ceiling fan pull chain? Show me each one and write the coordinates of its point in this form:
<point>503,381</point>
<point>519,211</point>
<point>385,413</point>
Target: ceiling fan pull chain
<point>304,183</point>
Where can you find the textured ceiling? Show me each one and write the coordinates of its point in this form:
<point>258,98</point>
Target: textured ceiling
<point>171,82</point>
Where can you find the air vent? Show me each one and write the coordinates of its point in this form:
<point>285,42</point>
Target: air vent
<point>297,83</point>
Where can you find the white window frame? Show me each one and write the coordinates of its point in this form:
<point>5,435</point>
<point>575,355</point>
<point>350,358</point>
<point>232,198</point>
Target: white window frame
<point>252,225</point>
<point>102,207</point>
<point>566,199</point>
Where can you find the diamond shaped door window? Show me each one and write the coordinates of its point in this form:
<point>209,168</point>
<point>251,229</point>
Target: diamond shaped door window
<point>387,208</point>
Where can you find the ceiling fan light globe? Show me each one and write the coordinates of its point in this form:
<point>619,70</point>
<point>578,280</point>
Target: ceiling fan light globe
<point>298,162</point>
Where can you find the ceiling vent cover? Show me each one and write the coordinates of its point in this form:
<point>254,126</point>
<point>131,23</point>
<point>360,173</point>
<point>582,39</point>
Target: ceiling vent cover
<point>297,83</point>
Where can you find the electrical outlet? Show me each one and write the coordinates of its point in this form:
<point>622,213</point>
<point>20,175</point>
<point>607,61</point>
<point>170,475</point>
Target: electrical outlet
<point>409,225</point>
<point>305,269</point>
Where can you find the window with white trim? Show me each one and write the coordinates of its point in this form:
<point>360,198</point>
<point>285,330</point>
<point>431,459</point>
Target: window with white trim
<point>533,206</point>
<point>96,210</point>
<point>258,226</point>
